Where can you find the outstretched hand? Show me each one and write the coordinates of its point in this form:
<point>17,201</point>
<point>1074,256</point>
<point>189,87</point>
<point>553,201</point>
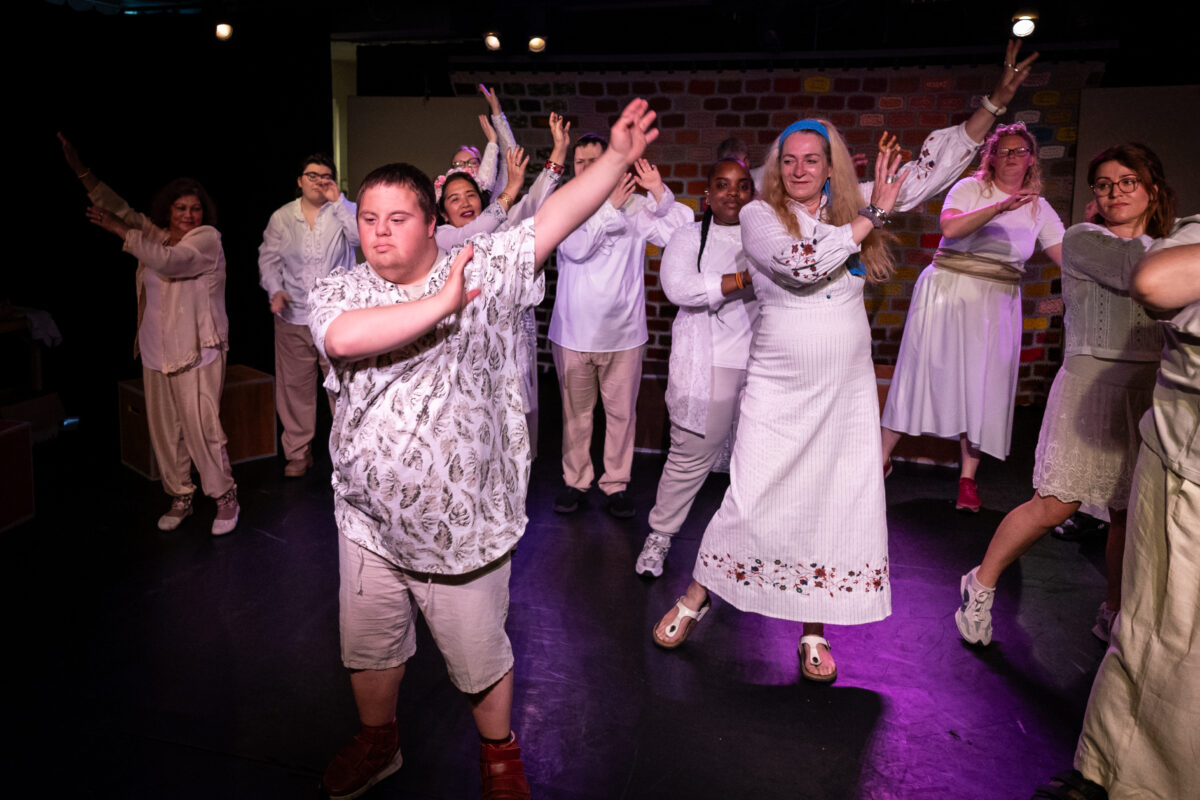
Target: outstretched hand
<point>516,161</point>
<point>887,183</point>
<point>560,130</point>
<point>454,293</point>
<point>492,99</point>
<point>488,130</point>
<point>1021,198</point>
<point>107,220</point>
<point>649,178</point>
<point>71,155</point>
<point>632,131</point>
<point>1014,74</point>
<point>622,191</point>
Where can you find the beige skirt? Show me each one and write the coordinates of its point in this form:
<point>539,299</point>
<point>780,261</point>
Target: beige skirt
<point>1089,441</point>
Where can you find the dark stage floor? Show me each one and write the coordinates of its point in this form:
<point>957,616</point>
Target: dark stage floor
<point>178,666</point>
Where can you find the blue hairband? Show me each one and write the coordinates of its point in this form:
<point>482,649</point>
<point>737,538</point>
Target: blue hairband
<point>854,263</point>
<point>810,125</point>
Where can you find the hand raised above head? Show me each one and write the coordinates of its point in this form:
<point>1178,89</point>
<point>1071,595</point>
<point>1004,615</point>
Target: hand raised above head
<point>622,191</point>
<point>887,185</point>
<point>559,129</point>
<point>633,131</point>
<point>488,130</point>
<point>1014,73</point>
<point>492,99</point>
<point>70,154</point>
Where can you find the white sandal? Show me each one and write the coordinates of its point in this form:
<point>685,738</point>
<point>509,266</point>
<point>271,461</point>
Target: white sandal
<point>813,659</point>
<point>683,612</point>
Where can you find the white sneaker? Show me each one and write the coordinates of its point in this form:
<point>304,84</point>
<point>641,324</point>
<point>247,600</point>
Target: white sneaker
<point>654,553</point>
<point>974,616</point>
<point>227,513</point>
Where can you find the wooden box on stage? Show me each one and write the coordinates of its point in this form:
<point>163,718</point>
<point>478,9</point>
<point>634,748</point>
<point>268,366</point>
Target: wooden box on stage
<point>16,487</point>
<point>247,415</point>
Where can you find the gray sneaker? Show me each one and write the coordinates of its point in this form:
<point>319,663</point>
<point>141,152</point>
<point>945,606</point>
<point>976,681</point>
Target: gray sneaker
<point>654,553</point>
<point>974,616</point>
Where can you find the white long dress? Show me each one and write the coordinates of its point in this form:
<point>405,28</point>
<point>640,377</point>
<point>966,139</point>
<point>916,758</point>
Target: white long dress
<point>960,355</point>
<point>802,532</point>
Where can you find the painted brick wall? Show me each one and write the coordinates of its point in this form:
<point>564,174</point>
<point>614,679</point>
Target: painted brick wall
<point>699,109</point>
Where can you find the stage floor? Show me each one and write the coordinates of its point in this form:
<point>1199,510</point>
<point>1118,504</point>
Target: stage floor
<point>178,665</point>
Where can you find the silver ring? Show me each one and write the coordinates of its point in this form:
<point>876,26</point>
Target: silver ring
<point>890,179</point>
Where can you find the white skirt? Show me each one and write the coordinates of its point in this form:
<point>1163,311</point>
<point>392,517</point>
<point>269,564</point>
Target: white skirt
<point>802,532</point>
<point>957,368</point>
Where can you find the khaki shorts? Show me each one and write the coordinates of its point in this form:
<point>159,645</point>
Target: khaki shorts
<point>465,613</point>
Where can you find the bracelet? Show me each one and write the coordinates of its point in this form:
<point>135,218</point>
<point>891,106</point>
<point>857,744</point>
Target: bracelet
<point>737,280</point>
<point>505,199</point>
<point>877,215</point>
<point>85,173</point>
<point>991,107</point>
<point>555,167</point>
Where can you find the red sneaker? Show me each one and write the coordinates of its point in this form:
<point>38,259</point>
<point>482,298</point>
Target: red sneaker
<point>968,495</point>
<point>502,772</point>
<point>372,755</point>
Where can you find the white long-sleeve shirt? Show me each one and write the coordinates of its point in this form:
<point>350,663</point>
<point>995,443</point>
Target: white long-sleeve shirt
<point>600,302</point>
<point>293,256</point>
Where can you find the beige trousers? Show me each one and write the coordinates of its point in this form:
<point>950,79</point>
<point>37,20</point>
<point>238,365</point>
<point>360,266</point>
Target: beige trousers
<point>296,386</point>
<point>617,376</point>
<point>692,456</point>
<point>1141,730</point>
<point>184,414</point>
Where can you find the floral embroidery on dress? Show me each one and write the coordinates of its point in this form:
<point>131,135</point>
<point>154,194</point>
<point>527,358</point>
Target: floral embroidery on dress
<point>799,578</point>
<point>804,252</point>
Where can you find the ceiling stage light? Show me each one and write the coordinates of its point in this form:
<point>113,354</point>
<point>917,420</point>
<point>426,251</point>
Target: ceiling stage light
<point>491,41</point>
<point>536,44</point>
<point>1023,23</point>
<point>224,31</point>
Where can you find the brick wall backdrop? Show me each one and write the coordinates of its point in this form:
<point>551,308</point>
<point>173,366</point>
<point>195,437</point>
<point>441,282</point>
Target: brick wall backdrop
<point>699,109</point>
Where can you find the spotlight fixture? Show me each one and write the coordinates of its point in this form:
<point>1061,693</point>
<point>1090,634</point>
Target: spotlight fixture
<point>224,31</point>
<point>537,44</point>
<point>491,40</point>
<point>1023,23</point>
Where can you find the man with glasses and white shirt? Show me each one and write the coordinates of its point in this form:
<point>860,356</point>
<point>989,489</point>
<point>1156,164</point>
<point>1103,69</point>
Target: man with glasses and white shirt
<point>304,241</point>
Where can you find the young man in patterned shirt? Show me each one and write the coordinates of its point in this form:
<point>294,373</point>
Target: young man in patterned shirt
<point>430,448</point>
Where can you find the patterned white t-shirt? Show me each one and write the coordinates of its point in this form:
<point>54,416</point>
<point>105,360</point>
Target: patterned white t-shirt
<point>429,443</point>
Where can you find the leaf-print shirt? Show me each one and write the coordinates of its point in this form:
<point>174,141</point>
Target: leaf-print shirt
<point>429,443</point>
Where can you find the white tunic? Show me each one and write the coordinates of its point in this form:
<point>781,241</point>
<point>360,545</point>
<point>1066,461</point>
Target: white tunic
<point>802,532</point>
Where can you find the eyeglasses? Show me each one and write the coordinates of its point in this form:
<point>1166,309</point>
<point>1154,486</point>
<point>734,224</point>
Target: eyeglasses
<point>470,162</point>
<point>1005,152</point>
<point>1128,184</point>
<point>319,176</point>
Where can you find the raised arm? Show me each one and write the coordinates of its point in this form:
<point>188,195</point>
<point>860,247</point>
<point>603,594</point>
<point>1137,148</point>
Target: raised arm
<point>575,202</point>
<point>549,178</point>
<point>583,242</point>
<point>1091,253</point>
<point>365,332</point>
<point>1011,78</point>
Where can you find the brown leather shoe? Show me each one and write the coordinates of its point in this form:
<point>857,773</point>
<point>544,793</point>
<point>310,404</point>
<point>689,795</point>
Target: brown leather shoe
<point>502,772</point>
<point>372,755</point>
<point>297,467</point>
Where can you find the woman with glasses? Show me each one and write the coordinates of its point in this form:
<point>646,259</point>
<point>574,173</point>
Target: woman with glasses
<point>483,168</point>
<point>305,240</point>
<point>1089,439</point>
<point>956,375</point>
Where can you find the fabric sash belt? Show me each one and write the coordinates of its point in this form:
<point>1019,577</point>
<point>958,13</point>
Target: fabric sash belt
<point>982,267</point>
